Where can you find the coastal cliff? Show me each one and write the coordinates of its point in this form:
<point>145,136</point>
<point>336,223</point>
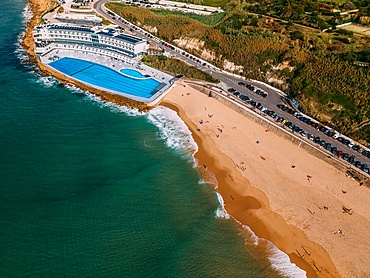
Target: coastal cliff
<point>302,231</point>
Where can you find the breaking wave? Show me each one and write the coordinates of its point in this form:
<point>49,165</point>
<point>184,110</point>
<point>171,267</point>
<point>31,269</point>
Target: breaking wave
<point>172,130</point>
<point>279,260</point>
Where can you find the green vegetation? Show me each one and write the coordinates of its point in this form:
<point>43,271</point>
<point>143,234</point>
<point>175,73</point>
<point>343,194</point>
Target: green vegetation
<point>211,3</point>
<point>211,19</point>
<point>315,68</point>
<point>334,1</point>
<point>321,15</point>
<point>176,67</point>
<point>106,22</point>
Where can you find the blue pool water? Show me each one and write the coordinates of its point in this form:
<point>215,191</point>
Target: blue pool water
<point>133,73</point>
<point>105,77</point>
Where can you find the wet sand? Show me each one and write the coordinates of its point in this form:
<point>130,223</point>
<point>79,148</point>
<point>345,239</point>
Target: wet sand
<point>265,186</point>
<point>260,188</point>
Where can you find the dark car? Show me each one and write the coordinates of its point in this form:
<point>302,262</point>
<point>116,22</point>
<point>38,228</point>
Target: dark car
<point>253,103</point>
<point>365,153</point>
<point>241,83</point>
<point>289,125</point>
<point>231,90</point>
<point>345,156</point>
<point>317,140</point>
<point>322,143</point>
<point>356,147</point>
<point>328,146</point>
<point>290,111</point>
<point>323,129</point>
<point>330,133</point>
<point>365,168</point>
<point>340,139</point>
<point>351,159</point>
<point>280,106</point>
<point>296,128</point>
<point>358,164</point>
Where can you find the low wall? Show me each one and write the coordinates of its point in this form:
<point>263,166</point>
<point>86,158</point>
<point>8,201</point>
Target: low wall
<point>341,165</point>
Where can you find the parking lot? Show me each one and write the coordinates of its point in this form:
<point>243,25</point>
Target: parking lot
<point>308,129</point>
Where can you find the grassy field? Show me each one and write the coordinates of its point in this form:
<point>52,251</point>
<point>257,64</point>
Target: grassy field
<point>211,19</point>
<point>358,29</point>
<point>334,1</point>
<point>176,67</point>
<point>211,3</point>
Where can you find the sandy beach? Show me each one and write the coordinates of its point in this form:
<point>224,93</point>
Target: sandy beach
<point>302,216</point>
<point>280,191</point>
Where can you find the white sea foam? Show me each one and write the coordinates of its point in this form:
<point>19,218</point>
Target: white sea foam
<point>20,52</point>
<point>172,130</point>
<point>47,81</point>
<point>115,108</point>
<point>208,178</point>
<point>27,13</point>
<point>211,179</point>
<point>221,211</point>
<point>279,260</point>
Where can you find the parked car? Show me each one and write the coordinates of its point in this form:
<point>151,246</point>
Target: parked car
<point>310,137</point>
<point>314,125</point>
<point>358,164</point>
<point>355,147</point>
<point>328,146</point>
<point>351,159</point>
<point>303,133</point>
<point>340,139</point>
<point>365,168</point>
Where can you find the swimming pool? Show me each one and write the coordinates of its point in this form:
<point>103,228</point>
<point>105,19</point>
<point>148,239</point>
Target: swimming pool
<point>133,73</point>
<point>106,78</point>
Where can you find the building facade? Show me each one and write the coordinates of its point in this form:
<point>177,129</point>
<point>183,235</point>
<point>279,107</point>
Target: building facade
<point>105,38</point>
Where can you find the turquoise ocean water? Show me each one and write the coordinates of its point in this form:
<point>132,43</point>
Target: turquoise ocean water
<point>88,189</point>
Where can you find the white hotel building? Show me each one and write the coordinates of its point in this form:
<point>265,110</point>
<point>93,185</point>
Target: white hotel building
<point>97,39</point>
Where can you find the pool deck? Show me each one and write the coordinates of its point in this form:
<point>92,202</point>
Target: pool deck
<point>116,65</point>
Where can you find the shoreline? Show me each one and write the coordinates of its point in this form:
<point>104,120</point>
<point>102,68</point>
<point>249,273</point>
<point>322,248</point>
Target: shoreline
<point>249,204</point>
<point>230,196</point>
<point>38,7</point>
<point>277,201</point>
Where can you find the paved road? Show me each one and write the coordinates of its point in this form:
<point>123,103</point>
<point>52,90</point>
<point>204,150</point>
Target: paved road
<point>270,102</point>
